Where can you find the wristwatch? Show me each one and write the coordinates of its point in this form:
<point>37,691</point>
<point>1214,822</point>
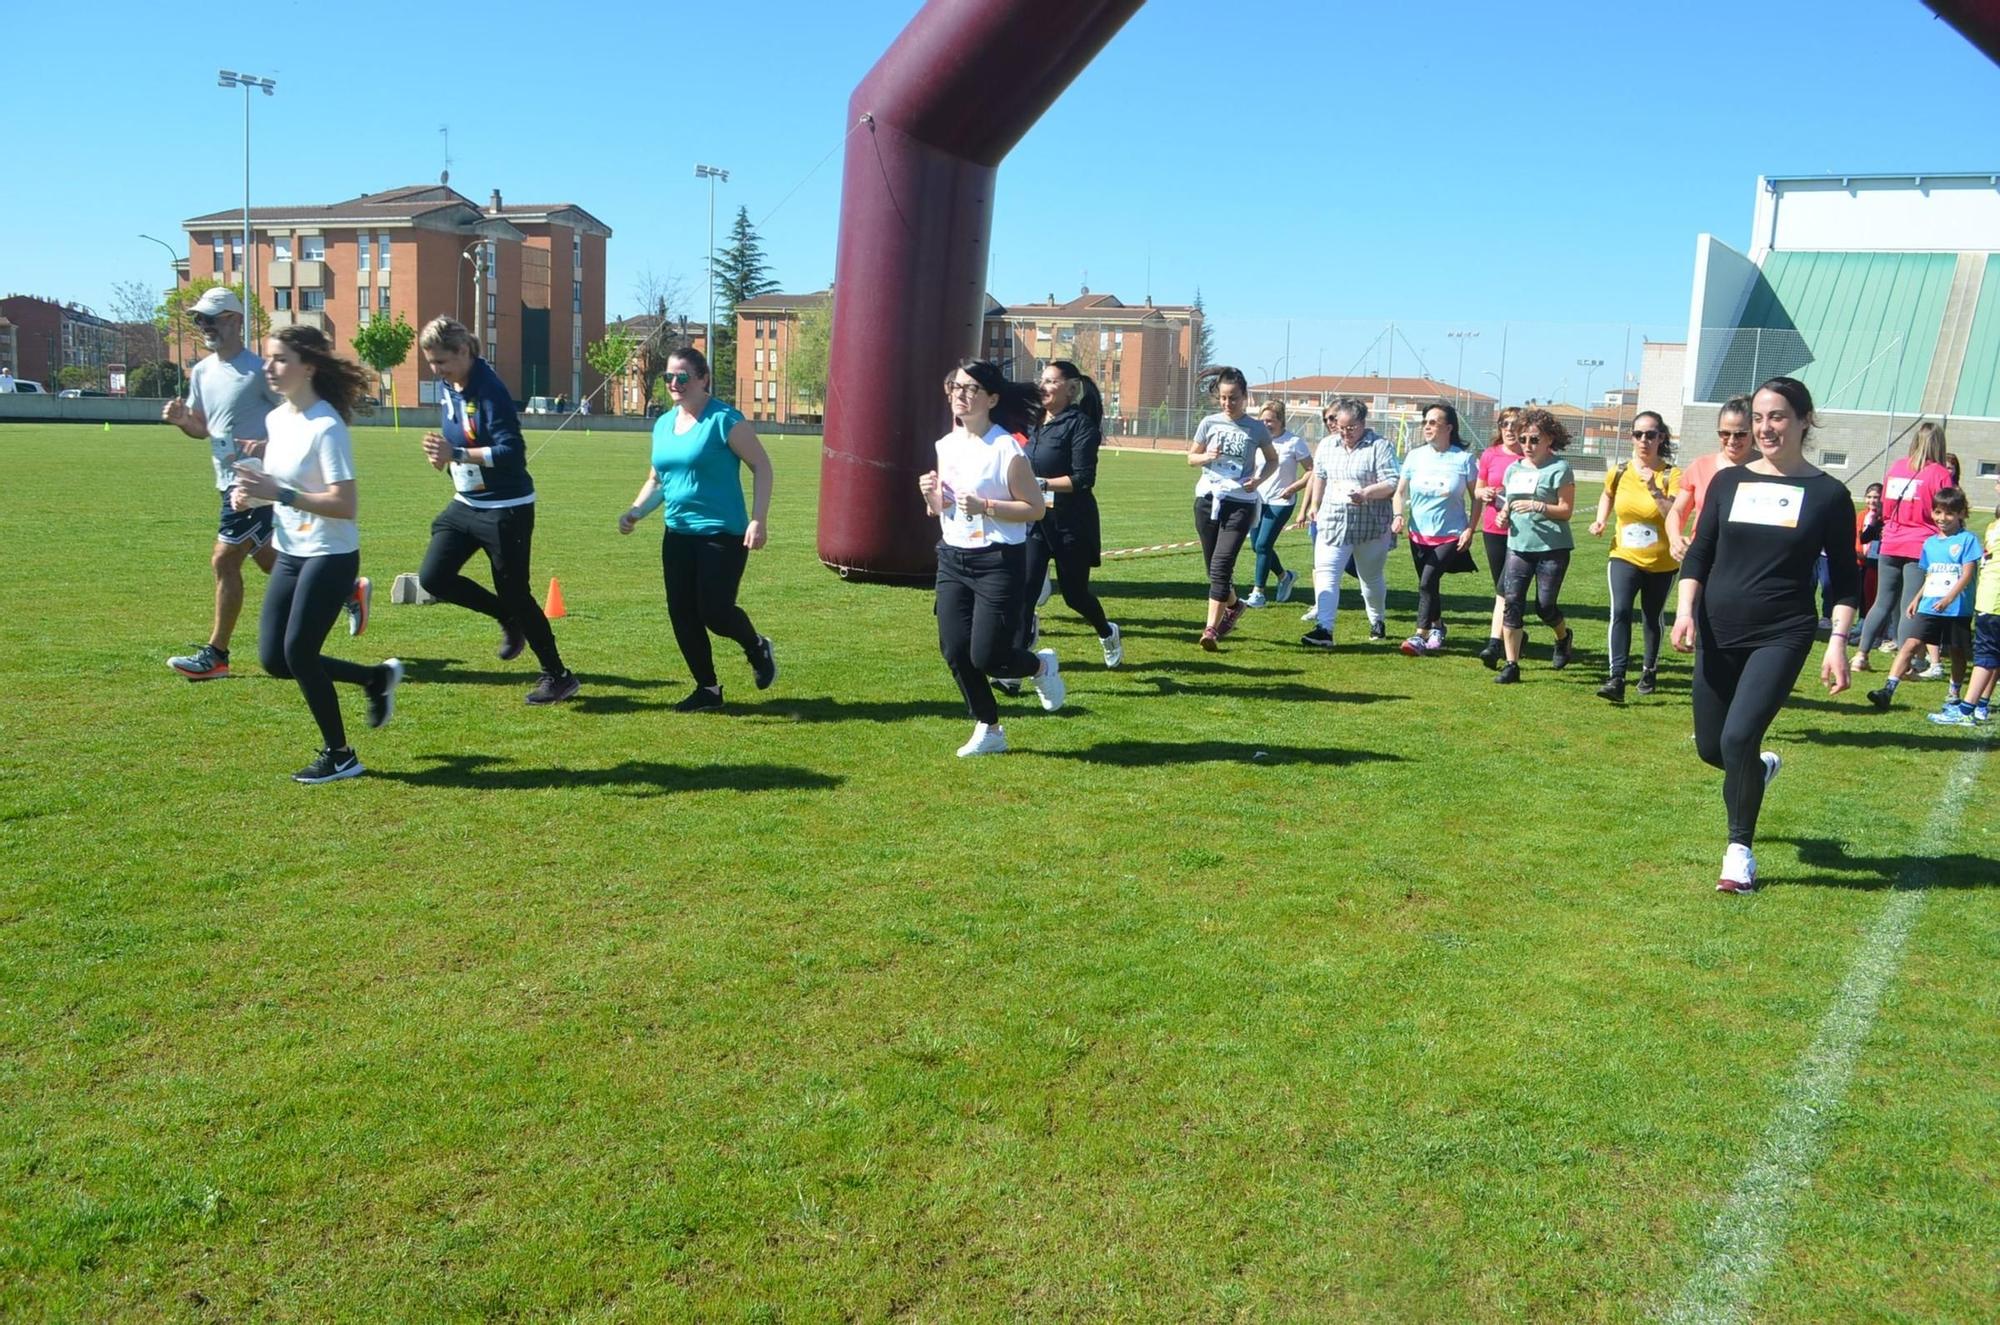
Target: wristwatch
<point>286,496</point>
<point>458,453</point>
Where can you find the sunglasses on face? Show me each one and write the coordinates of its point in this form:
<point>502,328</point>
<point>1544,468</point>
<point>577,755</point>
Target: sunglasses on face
<point>680,379</point>
<point>1646,434</point>
<point>206,321</point>
<point>1726,435</point>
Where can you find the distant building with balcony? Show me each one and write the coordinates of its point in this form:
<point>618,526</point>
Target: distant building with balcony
<point>49,336</point>
<point>1396,405</point>
<point>416,251</point>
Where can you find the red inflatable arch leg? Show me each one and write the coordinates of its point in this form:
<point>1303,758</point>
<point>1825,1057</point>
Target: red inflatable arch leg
<point>937,114</point>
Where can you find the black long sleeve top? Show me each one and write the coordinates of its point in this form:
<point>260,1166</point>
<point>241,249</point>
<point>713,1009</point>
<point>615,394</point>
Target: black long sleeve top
<point>1066,447</point>
<point>1755,552</point>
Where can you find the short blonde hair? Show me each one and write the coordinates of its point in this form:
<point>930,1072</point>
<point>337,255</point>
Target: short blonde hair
<point>447,333</point>
<point>1275,406</point>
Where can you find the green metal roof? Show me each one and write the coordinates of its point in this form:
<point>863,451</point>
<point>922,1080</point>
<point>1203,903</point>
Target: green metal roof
<point>1858,328</point>
<point>1979,380</point>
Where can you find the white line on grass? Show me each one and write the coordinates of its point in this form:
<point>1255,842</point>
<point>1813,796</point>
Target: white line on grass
<point>1749,1230</point>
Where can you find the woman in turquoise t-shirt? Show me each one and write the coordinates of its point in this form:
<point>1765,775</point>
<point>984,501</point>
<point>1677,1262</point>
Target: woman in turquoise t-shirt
<point>1538,495</point>
<point>699,449</point>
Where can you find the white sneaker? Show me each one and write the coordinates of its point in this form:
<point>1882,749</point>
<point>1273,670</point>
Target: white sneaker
<point>1256,598</point>
<point>1935,672</point>
<point>1285,583</point>
<point>1048,682</point>
<point>1310,614</point>
<point>1859,663</point>
<point>985,741</point>
<point>1739,870</point>
<point>1771,766</point>
<point>1114,646</point>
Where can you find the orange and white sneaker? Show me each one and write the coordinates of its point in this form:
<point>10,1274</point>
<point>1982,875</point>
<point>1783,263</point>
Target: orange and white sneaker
<point>206,663</point>
<point>1739,870</point>
<point>358,604</point>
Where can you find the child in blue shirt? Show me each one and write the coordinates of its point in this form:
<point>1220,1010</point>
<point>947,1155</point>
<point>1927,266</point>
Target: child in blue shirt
<point>1942,605</point>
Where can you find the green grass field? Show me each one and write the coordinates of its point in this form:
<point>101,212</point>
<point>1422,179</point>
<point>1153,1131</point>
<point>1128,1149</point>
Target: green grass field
<point>608,1013</point>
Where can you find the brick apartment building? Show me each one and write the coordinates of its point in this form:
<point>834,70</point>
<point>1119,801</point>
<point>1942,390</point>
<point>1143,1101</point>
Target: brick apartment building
<point>766,329</point>
<point>1393,402</point>
<point>45,337</point>
<point>412,250</point>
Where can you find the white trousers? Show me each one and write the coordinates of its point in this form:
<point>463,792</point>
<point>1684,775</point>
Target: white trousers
<point>1330,563</point>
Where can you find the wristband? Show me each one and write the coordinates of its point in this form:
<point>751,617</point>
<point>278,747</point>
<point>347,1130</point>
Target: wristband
<point>287,496</point>
<point>459,454</point>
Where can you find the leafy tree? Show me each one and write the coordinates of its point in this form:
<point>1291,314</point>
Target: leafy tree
<point>157,381</point>
<point>657,297</point>
<point>612,358</point>
<point>812,339</point>
<point>383,345</point>
<point>135,307</point>
<point>79,375</point>
<point>1204,341</point>
<point>740,273</point>
<point>174,319</point>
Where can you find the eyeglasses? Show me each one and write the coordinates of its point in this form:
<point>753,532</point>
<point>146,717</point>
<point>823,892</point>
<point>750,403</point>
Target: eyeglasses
<point>679,379</point>
<point>1645,434</point>
<point>962,388</point>
<point>1726,435</point>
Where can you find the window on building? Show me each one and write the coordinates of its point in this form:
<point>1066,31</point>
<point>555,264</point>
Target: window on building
<point>1833,459</point>
<point>236,252</point>
<point>760,358</point>
<point>1989,468</point>
<point>382,251</point>
<point>492,305</point>
<point>576,296</point>
<point>215,255</point>
<point>382,300</point>
<point>312,248</point>
<point>361,250</point>
<point>361,299</point>
<point>281,248</point>
<point>312,301</point>
<point>492,351</point>
<point>576,252</point>
<point>757,391</point>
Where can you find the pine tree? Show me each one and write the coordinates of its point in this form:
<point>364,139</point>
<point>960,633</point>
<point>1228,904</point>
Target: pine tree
<point>740,273</point>
<point>1204,342</point>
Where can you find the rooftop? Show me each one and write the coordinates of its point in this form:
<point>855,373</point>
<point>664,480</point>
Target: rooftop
<point>410,204</point>
<point>1368,386</point>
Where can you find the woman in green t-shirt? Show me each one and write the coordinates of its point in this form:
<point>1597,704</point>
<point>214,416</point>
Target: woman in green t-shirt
<point>1539,492</point>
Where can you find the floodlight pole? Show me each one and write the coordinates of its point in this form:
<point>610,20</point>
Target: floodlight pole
<point>1458,384</point>
<point>228,78</point>
<point>1589,366</point>
<point>711,174</point>
<point>180,345</point>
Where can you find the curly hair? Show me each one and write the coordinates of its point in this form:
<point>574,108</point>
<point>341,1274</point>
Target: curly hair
<point>1553,432</point>
<point>340,382</point>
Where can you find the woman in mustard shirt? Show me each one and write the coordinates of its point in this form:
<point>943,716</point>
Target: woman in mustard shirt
<point>1638,499</point>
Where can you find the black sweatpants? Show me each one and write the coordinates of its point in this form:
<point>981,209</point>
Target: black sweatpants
<point>1737,694</point>
<point>303,599</point>
<point>1222,540</point>
<point>981,597</point>
<point>1072,582</point>
<point>1431,559</point>
<point>1546,569</point>
<point>702,573</point>
<point>1496,556</point>
<point>1649,589</point>
<point>507,536</point>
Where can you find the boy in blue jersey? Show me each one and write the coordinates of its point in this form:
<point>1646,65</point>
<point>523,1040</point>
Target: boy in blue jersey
<point>1942,605</point>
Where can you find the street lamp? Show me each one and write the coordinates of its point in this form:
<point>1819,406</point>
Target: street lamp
<point>173,261</point>
<point>225,78</point>
<point>478,290</point>
<point>711,174</point>
<point>1589,366</point>
<point>1458,380</point>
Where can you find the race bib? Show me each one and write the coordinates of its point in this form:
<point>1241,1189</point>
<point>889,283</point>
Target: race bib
<point>467,477</point>
<point>1339,490</point>
<point>1638,537</point>
<point>1521,485</point>
<point>1940,579</point>
<point>1773,504</point>
<point>1901,489</point>
<point>1430,487</point>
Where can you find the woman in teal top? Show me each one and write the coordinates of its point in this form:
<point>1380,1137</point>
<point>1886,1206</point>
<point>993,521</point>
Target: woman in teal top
<point>699,449</point>
<point>1538,495</point>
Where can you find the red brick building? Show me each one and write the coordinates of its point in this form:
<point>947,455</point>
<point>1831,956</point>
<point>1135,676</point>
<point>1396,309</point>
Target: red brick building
<point>43,337</point>
<point>413,251</point>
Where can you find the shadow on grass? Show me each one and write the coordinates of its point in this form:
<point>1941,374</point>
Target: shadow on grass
<point>1293,693</point>
<point>1841,869</point>
<point>1210,667</point>
<point>1150,754</point>
<point>477,772</point>
<point>825,708</point>
<point>450,669</point>
<point>1900,737</point>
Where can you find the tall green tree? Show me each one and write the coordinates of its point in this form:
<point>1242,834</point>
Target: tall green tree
<point>174,319</point>
<point>812,339</point>
<point>383,345</point>
<point>740,273</point>
<point>1204,341</point>
<point>612,358</point>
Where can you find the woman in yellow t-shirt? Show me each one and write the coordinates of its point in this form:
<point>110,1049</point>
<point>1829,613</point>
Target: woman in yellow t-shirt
<point>1638,494</point>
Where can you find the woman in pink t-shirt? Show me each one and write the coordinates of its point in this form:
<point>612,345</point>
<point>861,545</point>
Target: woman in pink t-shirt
<point>1907,492</point>
<point>1493,462</point>
<point>1732,435</point>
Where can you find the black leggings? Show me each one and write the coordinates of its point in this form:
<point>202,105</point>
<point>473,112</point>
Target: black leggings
<point>1072,582</point>
<point>1496,556</point>
<point>1737,692</point>
<point>1221,541</point>
<point>981,598</point>
<point>1431,560</point>
<point>1650,589</point>
<point>507,537</point>
<point>1546,569</point>
<point>303,599</point>
<point>702,572</point>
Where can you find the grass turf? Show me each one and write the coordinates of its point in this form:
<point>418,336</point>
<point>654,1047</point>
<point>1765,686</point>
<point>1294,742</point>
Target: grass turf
<point>611,1013</point>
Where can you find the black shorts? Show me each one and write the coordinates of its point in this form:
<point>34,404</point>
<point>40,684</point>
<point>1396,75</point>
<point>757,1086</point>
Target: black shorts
<point>1951,633</point>
<point>237,527</point>
<point>1986,641</point>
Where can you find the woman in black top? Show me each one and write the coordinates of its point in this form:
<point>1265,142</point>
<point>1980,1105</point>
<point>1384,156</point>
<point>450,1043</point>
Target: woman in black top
<point>1063,453</point>
<point>1747,594</point>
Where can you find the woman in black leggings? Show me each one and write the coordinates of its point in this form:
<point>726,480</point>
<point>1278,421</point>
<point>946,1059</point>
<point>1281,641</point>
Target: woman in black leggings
<point>1538,493</point>
<point>1747,596</point>
<point>307,472</point>
<point>1226,449</point>
<point>1062,450</point>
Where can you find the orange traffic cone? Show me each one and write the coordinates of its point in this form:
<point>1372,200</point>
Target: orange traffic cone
<point>555,607</point>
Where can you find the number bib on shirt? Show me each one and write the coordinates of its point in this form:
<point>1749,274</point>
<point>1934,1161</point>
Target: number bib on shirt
<point>467,478</point>
<point>1638,537</point>
<point>1774,504</point>
<point>1522,485</point>
<point>1940,579</point>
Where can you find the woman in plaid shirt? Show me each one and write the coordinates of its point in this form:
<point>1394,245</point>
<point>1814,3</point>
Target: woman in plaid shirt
<point>1354,476</point>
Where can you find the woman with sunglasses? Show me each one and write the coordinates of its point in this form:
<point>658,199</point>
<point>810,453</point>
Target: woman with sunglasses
<point>1540,492</point>
<point>700,449</point>
<point>1732,432</point>
<point>1229,447</point>
<point>1502,451</point>
<point>1638,497</point>
<point>1436,484</point>
<point>1279,490</point>
<point>984,496</point>
<point>1062,450</point>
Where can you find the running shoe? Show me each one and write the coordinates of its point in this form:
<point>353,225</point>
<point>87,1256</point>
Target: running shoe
<point>1007,686</point>
<point>700,700</point>
<point>1955,716</point>
<point>1049,683</point>
<point>1648,682</point>
<point>330,766</point>
<point>358,603</point>
<point>1560,652</point>
<point>985,741</point>
<point>512,642</point>
<point>1413,646</point>
<point>763,663</point>
<point>1739,870</point>
<point>1208,640</point>
<point>1935,672</point>
<point>553,688</point>
<point>1887,646</point>
<point>1230,616</point>
<point>1114,646</point>
<point>1771,766</point>
<point>206,663</point>
<point>1880,698</point>
<point>1319,637</point>
<point>1256,598</point>
<point>1492,653</point>
<point>1378,630</point>
<point>1981,714</point>
<point>1509,674</point>
<point>382,693</point>
<point>1613,689</point>
<point>1285,583</point>
<point>1859,663</point>
<point>1310,614</point>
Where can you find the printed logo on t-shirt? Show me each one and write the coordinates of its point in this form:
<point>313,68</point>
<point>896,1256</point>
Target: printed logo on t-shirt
<point>1902,489</point>
<point>1774,504</point>
<point>1232,449</point>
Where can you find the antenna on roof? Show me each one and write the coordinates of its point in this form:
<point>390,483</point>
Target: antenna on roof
<point>444,176</point>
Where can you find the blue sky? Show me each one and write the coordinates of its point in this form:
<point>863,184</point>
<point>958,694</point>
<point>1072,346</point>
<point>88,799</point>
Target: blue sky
<point>1450,166</point>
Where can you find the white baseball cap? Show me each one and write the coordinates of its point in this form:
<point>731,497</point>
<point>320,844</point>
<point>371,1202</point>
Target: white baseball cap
<point>218,299</point>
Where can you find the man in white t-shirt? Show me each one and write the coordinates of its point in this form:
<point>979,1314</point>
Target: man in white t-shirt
<point>6,382</point>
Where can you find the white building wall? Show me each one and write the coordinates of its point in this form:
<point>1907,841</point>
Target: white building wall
<point>1877,213</point>
<point>1662,364</point>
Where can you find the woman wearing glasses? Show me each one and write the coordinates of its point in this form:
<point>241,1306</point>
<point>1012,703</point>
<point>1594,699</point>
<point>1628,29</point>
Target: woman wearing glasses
<point>984,496</point>
<point>1354,476</point>
<point>1229,448</point>
<point>1503,451</point>
<point>1732,432</point>
<point>1540,492</point>
<point>1638,498</point>
<point>700,448</point>
<point>1437,481</point>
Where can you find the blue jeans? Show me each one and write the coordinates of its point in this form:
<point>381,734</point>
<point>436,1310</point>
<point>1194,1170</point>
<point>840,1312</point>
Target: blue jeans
<point>1264,542</point>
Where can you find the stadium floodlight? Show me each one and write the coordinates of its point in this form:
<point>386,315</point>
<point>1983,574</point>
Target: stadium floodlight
<point>711,174</point>
<point>269,87</point>
<point>1589,366</point>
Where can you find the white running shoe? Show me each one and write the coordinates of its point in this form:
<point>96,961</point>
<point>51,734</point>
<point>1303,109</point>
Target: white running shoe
<point>1935,672</point>
<point>1256,598</point>
<point>1739,870</point>
<point>1771,766</point>
<point>985,741</point>
<point>1859,663</point>
<point>1048,682</point>
<point>1114,646</point>
<point>1285,583</point>
<point>1310,614</point>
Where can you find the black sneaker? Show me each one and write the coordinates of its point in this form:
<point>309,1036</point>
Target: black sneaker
<point>1319,637</point>
<point>1559,654</point>
<point>700,700</point>
<point>382,694</point>
<point>512,642</point>
<point>1508,674</point>
<point>763,663</point>
<point>1613,690</point>
<point>1378,630</point>
<point>554,688</point>
<point>330,766</point>
<point>1492,653</point>
<point>1648,682</point>
<point>1880,698</point>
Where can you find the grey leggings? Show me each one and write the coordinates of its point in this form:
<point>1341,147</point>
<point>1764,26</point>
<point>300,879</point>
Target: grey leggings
<point>1896,578</point>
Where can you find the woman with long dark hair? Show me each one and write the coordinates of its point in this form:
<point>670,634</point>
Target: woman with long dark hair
<point>1227,447</point>
<point>1279,491</point>
<point>1437,505</point>
<point>307,473</point>
<point>1638,497</point>
<point>1503,450</point>
<point>700,449</point>
<point>1540,492</point>
<point>984,496</point>
<point>1747,596</point>
<point>1062,450</point>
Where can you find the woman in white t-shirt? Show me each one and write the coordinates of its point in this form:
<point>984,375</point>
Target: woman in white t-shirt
<point>308,474</point>
<point>1278,488</point>
<point>984,496</point>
